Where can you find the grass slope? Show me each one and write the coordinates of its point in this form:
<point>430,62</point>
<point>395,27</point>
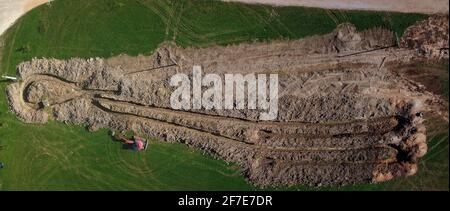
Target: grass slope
<point>55,156</point>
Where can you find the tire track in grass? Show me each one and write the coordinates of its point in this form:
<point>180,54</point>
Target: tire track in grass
<point>191,34</point>
<point>74,14</point>
<point>278,20</point>
<point>118,158</point>
<point>13,42</point>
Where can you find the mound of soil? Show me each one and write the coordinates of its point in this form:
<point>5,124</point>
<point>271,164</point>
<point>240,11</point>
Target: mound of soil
<point>343,117</point>
<point>429,37</point>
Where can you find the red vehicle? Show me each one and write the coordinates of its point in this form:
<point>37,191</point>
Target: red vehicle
<point>136,143</point>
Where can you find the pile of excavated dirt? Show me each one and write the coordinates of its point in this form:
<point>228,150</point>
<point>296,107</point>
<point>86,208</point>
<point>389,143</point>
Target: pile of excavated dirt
<point>430,37</point>
<point>343,117</point>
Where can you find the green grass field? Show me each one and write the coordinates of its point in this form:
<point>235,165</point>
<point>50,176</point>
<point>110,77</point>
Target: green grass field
<point>56,156</point>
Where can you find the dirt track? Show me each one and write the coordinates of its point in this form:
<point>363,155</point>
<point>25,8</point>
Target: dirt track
<point>344,117</point>
<point>407,6</point>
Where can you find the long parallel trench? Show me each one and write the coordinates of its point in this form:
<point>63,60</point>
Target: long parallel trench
<point>300,147</point>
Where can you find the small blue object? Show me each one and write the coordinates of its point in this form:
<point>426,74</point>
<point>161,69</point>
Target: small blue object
<point>1,165</point>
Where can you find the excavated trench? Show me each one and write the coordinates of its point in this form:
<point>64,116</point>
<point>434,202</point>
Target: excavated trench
<point>343,117</point>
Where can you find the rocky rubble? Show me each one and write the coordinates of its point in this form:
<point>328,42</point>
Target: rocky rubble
<point>430,37</point>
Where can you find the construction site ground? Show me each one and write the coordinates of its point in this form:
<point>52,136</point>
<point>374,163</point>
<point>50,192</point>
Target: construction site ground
<point>47,147</point>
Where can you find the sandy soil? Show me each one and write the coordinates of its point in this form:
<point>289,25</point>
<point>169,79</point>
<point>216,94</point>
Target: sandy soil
<point>11,10</point>
<point>30,4</point>
<point>416,6</point>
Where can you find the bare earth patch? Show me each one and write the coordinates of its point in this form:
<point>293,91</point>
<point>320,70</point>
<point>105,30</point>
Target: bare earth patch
<point>408,6</point>
<point>30,4</point>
